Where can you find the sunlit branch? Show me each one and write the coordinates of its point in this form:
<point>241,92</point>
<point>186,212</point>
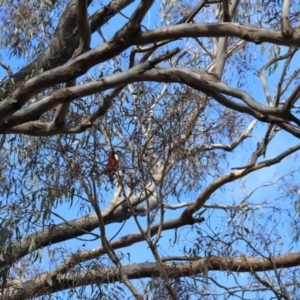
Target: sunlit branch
<point>246,32</point>
<point>230,50</point>
<point>221,55</point>
<point>262,76</point>
<point>213,206</point>
<point>139,14</point>
<point>286,25</point>
<point>288,82</point>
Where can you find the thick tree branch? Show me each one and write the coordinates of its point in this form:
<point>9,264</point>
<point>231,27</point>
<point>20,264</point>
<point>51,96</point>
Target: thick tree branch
<point>64,41</point>
<point>286,25</point>
<point>202,81</point>
<point>78,227</point>
<point>33,111</point>
<point>122,242</point>
<point>46,129</point>
<point>83,27</point>
<point>122,41</point>
<point>222,43</point>
<point>23,290</point>
<point>246,32</point>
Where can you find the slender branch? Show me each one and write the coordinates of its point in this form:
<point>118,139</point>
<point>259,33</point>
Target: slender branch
<point>268,285</point>
<point>153,248</point>
<point>122,242</point>
<point>245,134</point>
<point>213,206</point>
<point>261,147</point>
<point>222,180</point>
<point>261,73</point>
<point>292,98</point>
<point>106,246</point>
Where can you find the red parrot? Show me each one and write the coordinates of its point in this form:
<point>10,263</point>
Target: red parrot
<point>112,165</point>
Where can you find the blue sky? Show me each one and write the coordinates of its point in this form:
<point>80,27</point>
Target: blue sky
<point>233,193</point>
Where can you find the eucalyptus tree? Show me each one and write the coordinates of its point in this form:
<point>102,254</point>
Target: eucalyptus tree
<point>195,97</point>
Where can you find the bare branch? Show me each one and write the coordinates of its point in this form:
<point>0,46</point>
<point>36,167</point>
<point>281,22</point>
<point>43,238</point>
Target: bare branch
<point>22,290</point>
<point>7,68</point>
<point>83,26</point>
<point>106,245</point>
<point>221,55</point>
<point>245,134</point>
<point>139,14</point>
<point>246,32</point>
<point>65,40</point>
<point>286,25</point>
<point>204,196</point>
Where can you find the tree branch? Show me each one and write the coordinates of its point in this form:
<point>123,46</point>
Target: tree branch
<point>19,290</point>
<point>249,33</point>
<point>205,195</point>
<point>64,41</point>
<point>83,27</point>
